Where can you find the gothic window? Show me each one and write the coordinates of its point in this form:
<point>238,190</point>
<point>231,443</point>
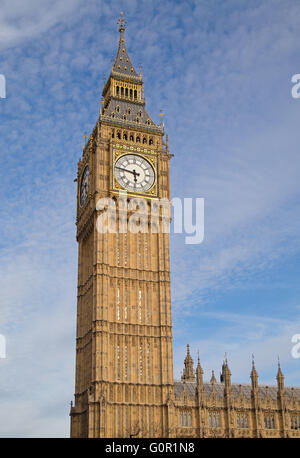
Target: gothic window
<point>138,140</point>
<point>130,92</point>
<point>125,249</point>
<point>118,90</point>
<point>119,135</point>
<point>139,249</point>
<point>144,140</point>
<point>118,361</point>
<point>118,109</point>
<point>124,117</point>
<point>118,303</point>
<point>125,303</point>
<point>185,418</point>
<point>146,250</point>
<point>112,134</point>
<point>137,119</point>
<point>125,361</point>
<point>140,305</point>
<point>122,92</point>
<point>242,420</point>
<point>269,422</point>
<point>150,140</point>
<point>131,138</point>
<point>118,248</point>
<point>140,113</point>
<point>135,94</point>
<point>141,360</point>
<point>147,305</point>
<point>129,111</point>
<point>214,420</point>
<point>295,421</point>
<point>125,133</point>
<point>126,90</point>
<point>148,361</point>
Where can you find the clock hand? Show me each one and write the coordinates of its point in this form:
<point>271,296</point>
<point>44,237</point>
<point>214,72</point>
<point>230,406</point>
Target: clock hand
<point>129,171</point>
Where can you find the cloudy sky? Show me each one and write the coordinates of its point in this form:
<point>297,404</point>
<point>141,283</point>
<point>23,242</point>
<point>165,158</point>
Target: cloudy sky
<point>221,72</point>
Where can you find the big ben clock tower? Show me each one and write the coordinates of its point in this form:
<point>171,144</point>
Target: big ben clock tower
<point>124,361</point>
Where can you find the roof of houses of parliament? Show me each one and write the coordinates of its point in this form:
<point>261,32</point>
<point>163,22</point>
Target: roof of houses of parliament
<point>188,383</point>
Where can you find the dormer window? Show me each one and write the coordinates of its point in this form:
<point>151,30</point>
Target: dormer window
<point>129,111</point>
<point>118,109</point>
<point>124,117</point>
<point>140,113</point>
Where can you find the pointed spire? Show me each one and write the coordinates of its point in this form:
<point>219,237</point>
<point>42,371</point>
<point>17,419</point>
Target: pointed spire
<point>188,371</point>
<point>254,375</point>
<point>199,372</point>
<point>226,374</point>
<point>122,63</point>
<point>280,377</point>
<point>213,378</point>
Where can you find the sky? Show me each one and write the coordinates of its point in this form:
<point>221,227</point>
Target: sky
<point>221,72</point>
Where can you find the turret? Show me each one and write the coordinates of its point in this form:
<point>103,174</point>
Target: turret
<point>188,371</point>
<point>254,376</point>
<point>280,378</point>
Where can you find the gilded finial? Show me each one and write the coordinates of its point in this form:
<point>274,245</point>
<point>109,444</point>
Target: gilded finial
<point>85,137</point>
<point>161,118</point>
<point>122,22</point>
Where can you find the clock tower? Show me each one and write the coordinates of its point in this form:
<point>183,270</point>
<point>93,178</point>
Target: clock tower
<point>124,361</point>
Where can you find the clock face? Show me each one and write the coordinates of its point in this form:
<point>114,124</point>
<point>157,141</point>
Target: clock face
<point>85,185</point>
<point>134,173</point>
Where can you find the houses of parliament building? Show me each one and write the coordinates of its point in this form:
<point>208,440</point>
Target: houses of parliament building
<point>124,362</point>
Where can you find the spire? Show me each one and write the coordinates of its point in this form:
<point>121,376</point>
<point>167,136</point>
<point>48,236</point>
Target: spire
<point>188,371</point>
<point>280,377</point>
<point>122,63</point>
<point>254,375</point>
<point>199,373</point>
<point>226,374</point>
<point>213,378</point>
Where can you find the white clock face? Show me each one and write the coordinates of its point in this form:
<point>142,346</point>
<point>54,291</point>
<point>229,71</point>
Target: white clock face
<point>85,185</point>
<point>134,173</point>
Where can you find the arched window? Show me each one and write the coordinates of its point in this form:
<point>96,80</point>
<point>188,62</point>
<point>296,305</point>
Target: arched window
<point>125,135</point>
<point>122,91</point>
<point>151,141</point>
<point>112,134</point>
<point>131,138</point>
<point>135,94</point>
<point>126,92</point>
<point>118,90</point>
<point>119,135</point>
<point>144,140</point>
<point>118,109</point>
<point>130,93</point>
<point>138,140</point>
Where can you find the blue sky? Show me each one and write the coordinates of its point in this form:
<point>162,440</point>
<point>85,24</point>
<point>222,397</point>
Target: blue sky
<point>221,72</point>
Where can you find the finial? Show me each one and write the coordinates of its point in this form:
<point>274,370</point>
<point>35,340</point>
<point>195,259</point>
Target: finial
<point>161,118</point>
<point>141,69</point>
<point>85,137</point>
<point>103,79</point>
<point>121,22</point>
<point>278,360</point>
